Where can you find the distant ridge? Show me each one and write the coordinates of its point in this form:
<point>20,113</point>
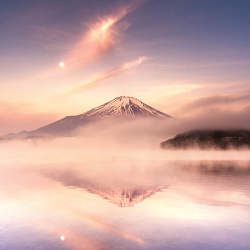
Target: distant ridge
<point>210,139</point>
<point>122,107</point>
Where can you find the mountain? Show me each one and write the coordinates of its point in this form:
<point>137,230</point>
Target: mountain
<point>120,108</point>
<point>210,139</point>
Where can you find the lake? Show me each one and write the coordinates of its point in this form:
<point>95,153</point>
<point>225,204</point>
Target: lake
<point>105,199</point>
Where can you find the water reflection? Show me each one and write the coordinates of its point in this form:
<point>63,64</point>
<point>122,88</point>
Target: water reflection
<point>204,205</point>
<point>123,195</point>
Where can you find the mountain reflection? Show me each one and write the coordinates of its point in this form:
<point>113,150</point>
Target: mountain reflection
<point>122,195</point>
<point>205,202</point>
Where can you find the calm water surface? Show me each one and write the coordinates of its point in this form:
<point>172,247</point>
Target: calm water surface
<point>52,206</point>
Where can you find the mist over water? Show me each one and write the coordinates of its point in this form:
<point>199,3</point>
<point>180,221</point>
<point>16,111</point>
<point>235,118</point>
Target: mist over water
<point>113,187</point>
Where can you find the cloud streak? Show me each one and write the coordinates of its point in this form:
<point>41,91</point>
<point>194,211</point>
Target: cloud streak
<point>232,102</point>
<point>205,65</point>
<point>99,39</point>
<point>106,75</point>
<point>95,42</point>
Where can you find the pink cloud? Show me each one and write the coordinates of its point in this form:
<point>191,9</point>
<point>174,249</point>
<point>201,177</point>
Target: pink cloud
<point>106,75</point>
<point>100,38</point>
<point>230,102</point>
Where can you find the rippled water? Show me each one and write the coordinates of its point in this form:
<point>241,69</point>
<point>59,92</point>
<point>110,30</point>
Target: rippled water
<point>167,205</point>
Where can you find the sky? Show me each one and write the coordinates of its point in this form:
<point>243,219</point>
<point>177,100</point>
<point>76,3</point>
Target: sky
<point>184,58</point>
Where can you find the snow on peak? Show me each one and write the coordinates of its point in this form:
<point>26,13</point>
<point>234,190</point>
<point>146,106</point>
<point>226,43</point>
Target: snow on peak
<point>123,106</point>
<point>126,100</point>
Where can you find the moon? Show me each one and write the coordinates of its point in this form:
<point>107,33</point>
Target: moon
<point>61,64</point>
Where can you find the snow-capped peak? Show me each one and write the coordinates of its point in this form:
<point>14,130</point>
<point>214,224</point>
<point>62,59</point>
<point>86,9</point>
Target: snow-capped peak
<point>127,100</point>
<point>124,106</point>
<point>121,107</point>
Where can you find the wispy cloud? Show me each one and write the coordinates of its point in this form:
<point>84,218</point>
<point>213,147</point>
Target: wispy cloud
<point>229,102</point>
<point>171,89</point>
<point>100,38</point>
<point>51,37</point>
<point>106,75</point>
<point>96,41</point>
<point>204,65</point>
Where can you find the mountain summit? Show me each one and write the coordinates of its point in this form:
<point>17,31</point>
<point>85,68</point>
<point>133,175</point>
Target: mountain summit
<point>124,106</point>
<point>121,107</point>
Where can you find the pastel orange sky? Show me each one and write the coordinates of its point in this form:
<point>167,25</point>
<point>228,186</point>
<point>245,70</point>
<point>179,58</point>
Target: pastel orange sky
<point>181,58</point>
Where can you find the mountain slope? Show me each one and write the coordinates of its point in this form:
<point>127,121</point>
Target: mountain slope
<point>123,108</point>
